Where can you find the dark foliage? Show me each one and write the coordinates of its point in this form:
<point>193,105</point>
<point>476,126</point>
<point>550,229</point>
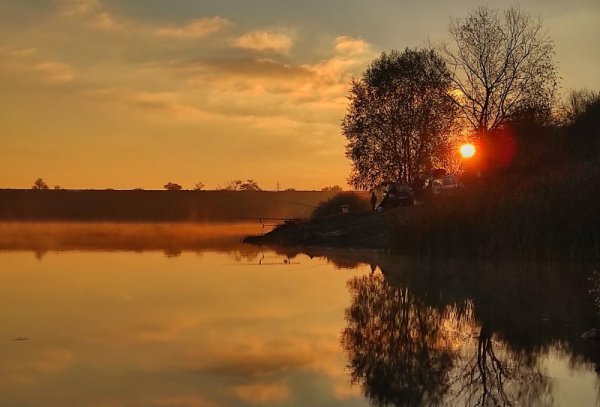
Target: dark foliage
<point>399,118</point>
<point>333,205</point>
<point>511,214</point>
<point>584,130</point>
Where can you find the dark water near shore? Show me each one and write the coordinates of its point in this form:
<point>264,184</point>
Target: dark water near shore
<point>184,321</point>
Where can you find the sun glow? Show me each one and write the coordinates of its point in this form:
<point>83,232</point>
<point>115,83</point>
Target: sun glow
<point>467,150</point>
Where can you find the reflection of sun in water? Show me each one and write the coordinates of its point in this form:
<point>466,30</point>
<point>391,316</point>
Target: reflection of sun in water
<point>467,150</point>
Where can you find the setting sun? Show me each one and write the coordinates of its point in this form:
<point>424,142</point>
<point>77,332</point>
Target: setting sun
<point>467,150</point>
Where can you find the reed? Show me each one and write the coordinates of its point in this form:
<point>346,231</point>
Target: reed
<point>539,215</point>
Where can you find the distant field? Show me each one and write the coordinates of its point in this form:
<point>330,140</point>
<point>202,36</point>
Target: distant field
<point>154,206</point>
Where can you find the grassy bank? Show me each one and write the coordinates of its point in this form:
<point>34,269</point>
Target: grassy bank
<point>512,215</point>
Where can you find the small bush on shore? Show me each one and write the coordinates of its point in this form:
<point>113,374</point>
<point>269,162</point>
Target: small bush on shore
<point>333,205</point>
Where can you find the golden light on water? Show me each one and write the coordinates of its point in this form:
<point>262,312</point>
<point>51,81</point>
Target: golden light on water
<point>467,150</point>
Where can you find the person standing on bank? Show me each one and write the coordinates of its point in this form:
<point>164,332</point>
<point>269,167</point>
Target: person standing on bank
<point>373,200</point>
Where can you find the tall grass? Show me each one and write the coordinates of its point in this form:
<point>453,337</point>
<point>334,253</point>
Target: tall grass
<point>549,215</point>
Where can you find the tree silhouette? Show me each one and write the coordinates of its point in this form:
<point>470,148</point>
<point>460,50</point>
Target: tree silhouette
<point>39,184</point>
<point>399,119</point>
<point>578,102</point>
<point>501,65</point>
<point>584,123</point>
<point>199,186</point>
<point>239,185</point>
<point>171,186</point>
<point>332,188</point>
<point>395,345</point>
<point>406,350</point>
<point>487,373</point>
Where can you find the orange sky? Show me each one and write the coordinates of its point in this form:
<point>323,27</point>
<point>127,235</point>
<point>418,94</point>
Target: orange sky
<point>126,94</point>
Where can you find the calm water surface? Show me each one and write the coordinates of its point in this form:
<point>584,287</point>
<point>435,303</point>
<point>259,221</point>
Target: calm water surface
<point>233,325</point>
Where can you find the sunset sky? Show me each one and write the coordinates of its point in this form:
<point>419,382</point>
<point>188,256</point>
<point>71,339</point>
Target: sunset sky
<point>136,93</point>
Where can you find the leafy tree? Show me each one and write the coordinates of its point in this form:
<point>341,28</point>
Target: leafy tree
<point>501,64</point>
<point>239,185</point>
<point>199,186</point>
<point>171,186</point>
<point>399,119</point>
<point>39,184</point>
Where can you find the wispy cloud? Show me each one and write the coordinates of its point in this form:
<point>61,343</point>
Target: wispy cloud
<point>78,7</point>
<point>349,45</point>
<point>195,29</point>
<point>304,92</point>
<point>92,12</point>
<point>25,62</point>
<point>156,105</point>
<point>263,92</point>
<point>265,41</point>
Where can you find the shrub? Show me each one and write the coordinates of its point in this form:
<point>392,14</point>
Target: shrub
<point>333,205</point>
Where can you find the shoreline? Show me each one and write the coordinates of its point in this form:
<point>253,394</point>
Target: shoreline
<point>361,230</point>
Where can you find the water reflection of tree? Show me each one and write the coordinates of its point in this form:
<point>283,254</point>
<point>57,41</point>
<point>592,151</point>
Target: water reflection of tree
<point>489,374</point>
<point>405,351</point>
<point>396,345</point>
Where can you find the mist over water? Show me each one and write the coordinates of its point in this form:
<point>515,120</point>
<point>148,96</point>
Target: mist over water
<point>185,315</point>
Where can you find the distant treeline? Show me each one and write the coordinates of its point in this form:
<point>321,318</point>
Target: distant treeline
<point>157,206</point>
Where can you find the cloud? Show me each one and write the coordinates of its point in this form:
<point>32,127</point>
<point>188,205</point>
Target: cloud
<point>157,105</point>
<point>92,12</point>
<point>251,68</point>
<point>104,21</point>
<point>272,94</point>
<point>303,82</point>
<point>40,362</point>
<point>261,393</point>
<point>195,29</point>
<point>265,41</point>
<point>349,45</point>
<point>78,7</point>
<point>24,62</point>
<point>20,53</point>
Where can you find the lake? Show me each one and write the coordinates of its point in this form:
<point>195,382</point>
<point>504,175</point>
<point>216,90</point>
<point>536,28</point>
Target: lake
<point>184,315</point>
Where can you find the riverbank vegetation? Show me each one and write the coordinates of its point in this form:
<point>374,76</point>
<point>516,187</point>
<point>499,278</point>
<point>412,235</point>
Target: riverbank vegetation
<point>529,191</point>
<point>542,204</point>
